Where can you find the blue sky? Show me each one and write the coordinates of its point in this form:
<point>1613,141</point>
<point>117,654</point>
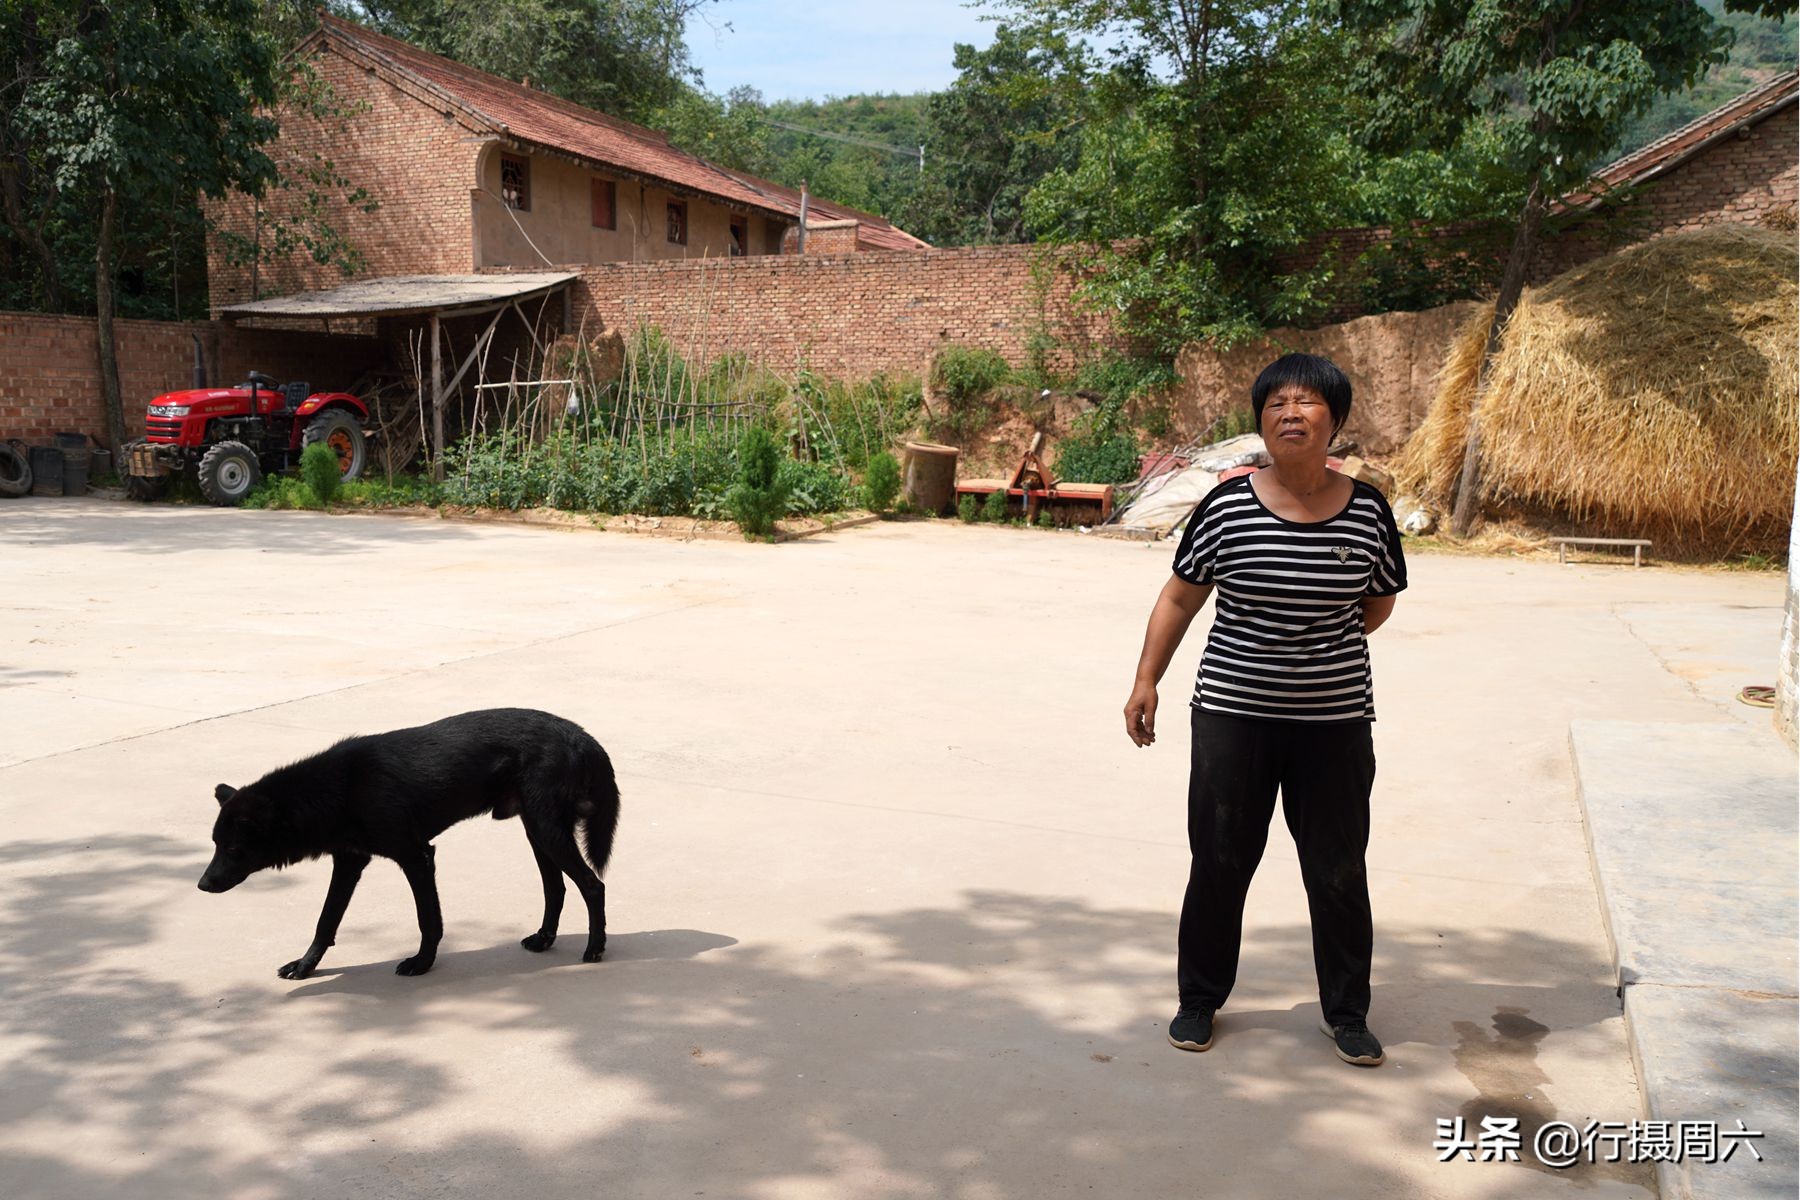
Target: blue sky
<point>793,51</point>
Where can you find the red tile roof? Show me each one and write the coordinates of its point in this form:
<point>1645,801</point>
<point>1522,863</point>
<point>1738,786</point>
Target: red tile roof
<point>1670,151</point>
<point>526,115</point>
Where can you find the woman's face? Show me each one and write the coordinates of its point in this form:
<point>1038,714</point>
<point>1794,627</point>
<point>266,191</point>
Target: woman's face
<point>1296,422</point>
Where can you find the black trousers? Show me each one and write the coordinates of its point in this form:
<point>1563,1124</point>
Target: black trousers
<point>1324,774</point>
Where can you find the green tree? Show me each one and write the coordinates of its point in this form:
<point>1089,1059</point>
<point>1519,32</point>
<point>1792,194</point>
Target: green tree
<point>130,100</point>
<point>627,58</point>
<point>1212,140</point>
<point>1011,117</point>
<point>1550,83</point>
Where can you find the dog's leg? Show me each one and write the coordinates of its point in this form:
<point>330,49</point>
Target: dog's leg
<point>421,873</point>
<point>346,870</point>
<point>553,896</point>
<point>559,844</point>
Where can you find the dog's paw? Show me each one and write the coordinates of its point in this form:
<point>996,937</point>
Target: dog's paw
<point>300,968</point>
<point>593,953</point>
<point>418,964</point>
<point>538,942</point>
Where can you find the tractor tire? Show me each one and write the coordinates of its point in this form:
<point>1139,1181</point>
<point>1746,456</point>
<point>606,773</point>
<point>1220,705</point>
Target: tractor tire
<point>15,471</point>
<point>339,430</point>
<point>228,473</point>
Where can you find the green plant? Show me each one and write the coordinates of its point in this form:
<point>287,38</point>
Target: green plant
<point>813,487</point>
<point>1102,449</point>
<point>994,507</point>
<point>284,492</point>
<point>881,483</point>
<point>319,468</point>
<point>758,497</point>
<point>962,377</point>
<point>1233,423</point>
<point>1045,520</point>
<point>968,510</point>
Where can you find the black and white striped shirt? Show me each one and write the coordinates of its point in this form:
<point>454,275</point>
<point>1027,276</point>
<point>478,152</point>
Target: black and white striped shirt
<point>1287,640</point>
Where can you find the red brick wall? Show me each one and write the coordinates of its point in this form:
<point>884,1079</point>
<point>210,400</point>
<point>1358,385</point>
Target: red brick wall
<point>851,315</point>
<point>417,163</point>
<point>50,373</point>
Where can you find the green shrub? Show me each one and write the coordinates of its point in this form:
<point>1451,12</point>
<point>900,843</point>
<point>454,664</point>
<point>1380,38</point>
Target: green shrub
<point>994,507</point>
<point>284,492</point>
<point>968,510</point>
<point>1119,379</point>
<point>962,374</point>
<point>758,498</point>
<point>813,487</point>
<point>882,482</point>
<point>1045,519</point>
<point>319,467</point>
<point>962,377</point>
<point>1102,448</point>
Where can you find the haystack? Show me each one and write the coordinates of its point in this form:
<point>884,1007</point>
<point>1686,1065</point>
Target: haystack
<point>1651,393</point>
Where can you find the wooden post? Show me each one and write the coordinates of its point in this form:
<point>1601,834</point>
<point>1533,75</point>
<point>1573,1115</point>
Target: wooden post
<point>805,203</point>
<point>437,404</point>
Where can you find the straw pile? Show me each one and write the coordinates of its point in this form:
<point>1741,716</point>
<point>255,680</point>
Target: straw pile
<point>1651,393</point>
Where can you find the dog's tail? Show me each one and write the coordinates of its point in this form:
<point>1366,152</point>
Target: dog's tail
<point>598,806</point>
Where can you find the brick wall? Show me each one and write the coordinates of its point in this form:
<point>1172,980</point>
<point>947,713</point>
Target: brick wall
<point>850,315</point>
<point>50,369</point>
<point>418,163</point>
<point>1749,176</point>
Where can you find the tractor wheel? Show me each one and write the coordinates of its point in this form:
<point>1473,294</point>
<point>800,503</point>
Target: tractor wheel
<point>339,430</point>
<point>15,471</point>
<point>228,473</point>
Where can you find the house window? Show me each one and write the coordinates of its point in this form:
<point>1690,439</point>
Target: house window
<point>740,236</point>
<point>515,182</point>
<point>604,195</point>
<point>678,222</point>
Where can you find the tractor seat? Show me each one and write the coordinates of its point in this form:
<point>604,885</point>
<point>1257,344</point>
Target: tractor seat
<point>295,394</point>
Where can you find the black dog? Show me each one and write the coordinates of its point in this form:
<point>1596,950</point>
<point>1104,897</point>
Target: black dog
<point>391,793</point>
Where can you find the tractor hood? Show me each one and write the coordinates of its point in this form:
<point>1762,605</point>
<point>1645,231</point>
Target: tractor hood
<point>224,401</point>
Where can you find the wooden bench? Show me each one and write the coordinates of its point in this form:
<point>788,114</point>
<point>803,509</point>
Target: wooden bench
<point>1638,546</point>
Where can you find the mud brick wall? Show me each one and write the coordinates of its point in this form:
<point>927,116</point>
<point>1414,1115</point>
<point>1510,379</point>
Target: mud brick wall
<point>396,142</point>
<point>50,367</point>
<point>851,315</point>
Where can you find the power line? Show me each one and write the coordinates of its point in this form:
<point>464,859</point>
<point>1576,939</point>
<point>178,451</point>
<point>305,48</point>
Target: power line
<point>917,153</point>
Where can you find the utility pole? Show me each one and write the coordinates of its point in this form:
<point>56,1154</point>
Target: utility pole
<point>805,203</point>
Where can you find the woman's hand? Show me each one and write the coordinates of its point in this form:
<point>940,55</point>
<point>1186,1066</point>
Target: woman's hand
<point>1175,609</point>
<point>1140,713</point>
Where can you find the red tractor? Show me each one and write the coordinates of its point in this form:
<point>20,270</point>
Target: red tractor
<point>227,438</point>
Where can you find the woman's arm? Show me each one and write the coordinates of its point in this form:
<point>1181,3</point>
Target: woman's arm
<point>1175,610</point>
<point>1376,610</point>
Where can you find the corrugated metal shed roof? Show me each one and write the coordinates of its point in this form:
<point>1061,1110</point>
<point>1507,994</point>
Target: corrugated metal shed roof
<point>396,295</point>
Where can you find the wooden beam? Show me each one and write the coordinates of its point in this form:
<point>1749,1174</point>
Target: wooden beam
<point>437,403</point>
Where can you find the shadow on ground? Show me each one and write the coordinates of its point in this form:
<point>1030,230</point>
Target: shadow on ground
<point>934,1052</point>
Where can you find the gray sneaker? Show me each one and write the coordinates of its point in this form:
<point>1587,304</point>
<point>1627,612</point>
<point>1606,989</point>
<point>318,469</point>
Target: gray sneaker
<point>1354,1043</point>
<point>1192,1029</point>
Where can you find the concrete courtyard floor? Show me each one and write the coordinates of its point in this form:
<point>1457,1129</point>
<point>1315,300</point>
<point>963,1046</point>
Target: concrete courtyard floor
<point>893,898</point>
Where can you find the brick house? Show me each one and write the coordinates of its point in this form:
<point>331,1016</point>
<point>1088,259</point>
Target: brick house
<point>1736,163</point>
<point>470,171</point>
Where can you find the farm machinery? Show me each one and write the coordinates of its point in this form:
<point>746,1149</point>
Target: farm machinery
<point>227,439</point>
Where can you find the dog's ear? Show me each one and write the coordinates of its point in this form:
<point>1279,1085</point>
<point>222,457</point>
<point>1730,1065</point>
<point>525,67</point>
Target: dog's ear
<point>224,792</point>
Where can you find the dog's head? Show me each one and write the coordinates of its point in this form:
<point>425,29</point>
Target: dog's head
<point>242,843</point>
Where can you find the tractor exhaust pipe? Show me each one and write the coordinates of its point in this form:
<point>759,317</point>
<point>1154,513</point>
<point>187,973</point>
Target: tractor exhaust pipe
<point>199,363</point>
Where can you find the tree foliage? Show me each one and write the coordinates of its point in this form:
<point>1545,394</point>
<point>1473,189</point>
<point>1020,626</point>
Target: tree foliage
<point>121,105</point>
<point>627,58</point>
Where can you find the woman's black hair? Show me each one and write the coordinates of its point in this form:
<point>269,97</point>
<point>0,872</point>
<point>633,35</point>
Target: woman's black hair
<point>1309,371</point>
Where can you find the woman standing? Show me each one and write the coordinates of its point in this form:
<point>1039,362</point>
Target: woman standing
<point>1306,563</point>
